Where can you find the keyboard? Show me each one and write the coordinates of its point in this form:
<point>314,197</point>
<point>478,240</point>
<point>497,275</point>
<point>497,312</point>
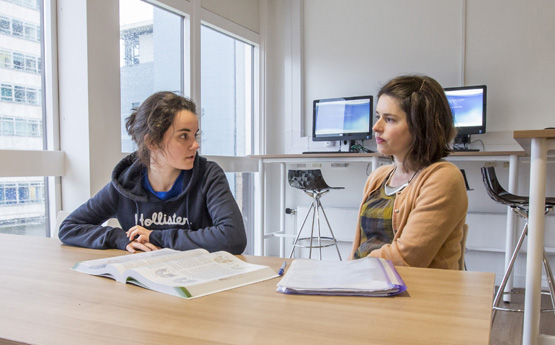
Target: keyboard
<point>328,152</point>
<point>462,149</point>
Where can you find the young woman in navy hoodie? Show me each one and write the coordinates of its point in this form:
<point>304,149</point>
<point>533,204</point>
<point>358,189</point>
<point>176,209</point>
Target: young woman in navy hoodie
<point>164,195</point>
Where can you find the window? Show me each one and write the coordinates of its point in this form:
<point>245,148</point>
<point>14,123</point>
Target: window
<point>151,56</point>
<point>6,93</point>
<point>33,128</point>
<point>20,127</point>
<point>7,127</point>
<point>30,31</point>
<point>19,94</point>
<point>5,58</point>
<point>5,25</point>
<point>131,44</point>
<point>227,108</point>
<point>31,96</point>
<point>30,64</point>
<point>226,81</point>
<point>22,199</point>
<point>18,61</point>
<point>17,27</point>
<point>10,126</point>
<point>8,193</point>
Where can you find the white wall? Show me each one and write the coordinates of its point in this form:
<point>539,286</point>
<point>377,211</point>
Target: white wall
<point>510,47</point>
<point>352,47</point>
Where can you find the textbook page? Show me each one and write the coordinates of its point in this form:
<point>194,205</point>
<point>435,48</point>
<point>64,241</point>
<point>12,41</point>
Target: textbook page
<point>186,274</point>
<point>200,275</point>
<point>114,267</point>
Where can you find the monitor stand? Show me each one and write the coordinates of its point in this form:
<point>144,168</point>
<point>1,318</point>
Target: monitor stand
<point>461,143</point>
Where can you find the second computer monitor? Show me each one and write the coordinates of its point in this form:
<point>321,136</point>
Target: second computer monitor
<point>345,118</point>
<point>468,104</point>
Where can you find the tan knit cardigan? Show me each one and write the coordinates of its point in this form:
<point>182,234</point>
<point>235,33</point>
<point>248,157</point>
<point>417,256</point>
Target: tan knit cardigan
<point>428,218</point>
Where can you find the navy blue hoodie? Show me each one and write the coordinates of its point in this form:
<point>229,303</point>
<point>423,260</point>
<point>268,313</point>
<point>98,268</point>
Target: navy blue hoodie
<point>204,215</point>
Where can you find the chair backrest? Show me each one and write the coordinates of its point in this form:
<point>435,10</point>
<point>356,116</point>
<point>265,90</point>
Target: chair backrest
<point>307,180</point>
<point>465,180</point>
<point>498,193</point>
<point>462,263</point>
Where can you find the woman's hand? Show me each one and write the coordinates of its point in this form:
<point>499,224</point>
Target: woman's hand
<point>133,246</point>
<point>139,234</point>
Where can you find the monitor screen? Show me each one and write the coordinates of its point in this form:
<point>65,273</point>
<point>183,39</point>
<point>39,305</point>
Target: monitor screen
<point>468,104</point>
<point>347,118</point>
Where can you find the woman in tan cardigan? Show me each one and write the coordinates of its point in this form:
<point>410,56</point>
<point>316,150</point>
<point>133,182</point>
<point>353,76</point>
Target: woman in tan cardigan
<point>413,211</point>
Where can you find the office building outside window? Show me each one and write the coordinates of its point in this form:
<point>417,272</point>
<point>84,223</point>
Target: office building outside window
<point>151,56</point>
<point>22,199</point>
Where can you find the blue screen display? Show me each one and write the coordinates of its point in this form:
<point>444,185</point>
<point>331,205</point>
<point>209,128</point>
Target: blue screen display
<point>342,116</point>
<point>467,106</point>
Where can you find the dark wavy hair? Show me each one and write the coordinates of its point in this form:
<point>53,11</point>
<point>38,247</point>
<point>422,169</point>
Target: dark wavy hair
<point>153,118</point>
<point>429,117</point>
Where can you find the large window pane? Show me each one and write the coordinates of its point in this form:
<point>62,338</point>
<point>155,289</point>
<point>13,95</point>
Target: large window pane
<point>151,56</point>
<point>227,111</point>
<point>226,89</point>
<point>22,199</point>
<point>22,205</point>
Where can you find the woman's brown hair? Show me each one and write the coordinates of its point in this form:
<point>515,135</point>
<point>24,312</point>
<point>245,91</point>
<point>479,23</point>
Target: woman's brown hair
<point>429,118</point>
<point>153,118</point>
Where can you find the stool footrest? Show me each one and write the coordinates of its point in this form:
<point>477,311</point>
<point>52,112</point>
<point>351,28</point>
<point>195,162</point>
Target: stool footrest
<point>516,310</point>
<point>324,242</point>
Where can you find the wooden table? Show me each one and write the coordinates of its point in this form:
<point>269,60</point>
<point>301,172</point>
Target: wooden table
<point>43,302</point>
<point>537,143</point>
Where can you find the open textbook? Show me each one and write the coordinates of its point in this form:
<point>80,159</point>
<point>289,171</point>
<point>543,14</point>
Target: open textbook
<point>186,274</point>
<point>363,277</point>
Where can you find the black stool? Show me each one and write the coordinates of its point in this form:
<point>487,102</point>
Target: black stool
<point>312,183</point>
<point>520,205</point>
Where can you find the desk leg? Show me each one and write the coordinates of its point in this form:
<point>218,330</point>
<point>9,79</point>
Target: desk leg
<point>536,230</point>
<point>375,163</point>
<point>511,223</point>
<point>282,178</point>
<point>259,231</point>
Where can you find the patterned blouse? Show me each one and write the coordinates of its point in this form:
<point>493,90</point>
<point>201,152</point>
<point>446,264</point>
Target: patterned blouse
<point>375,222</point>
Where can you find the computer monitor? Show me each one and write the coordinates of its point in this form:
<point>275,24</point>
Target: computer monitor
<point>468,104</point>
<point>346,118</point>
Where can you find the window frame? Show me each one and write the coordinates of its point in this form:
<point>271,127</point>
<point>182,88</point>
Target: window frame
<point>50,162</point>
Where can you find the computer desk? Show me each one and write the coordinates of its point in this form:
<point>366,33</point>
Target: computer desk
<point>537,143</point>
<point>263,232</point>
<point>43,302</point>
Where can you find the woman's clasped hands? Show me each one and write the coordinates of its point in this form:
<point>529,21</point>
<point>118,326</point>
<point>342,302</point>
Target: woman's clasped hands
<point>139,238</point>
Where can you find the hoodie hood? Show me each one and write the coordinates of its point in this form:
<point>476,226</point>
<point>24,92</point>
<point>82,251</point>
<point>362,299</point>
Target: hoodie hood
<point>128,174</point>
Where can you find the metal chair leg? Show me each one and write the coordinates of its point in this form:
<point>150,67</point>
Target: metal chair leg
<point>550,282</point>
<point>300,230</point>
<point>507,274</point>
<point>331,231</point>
<point>314,211</point>
<point>315,208</point>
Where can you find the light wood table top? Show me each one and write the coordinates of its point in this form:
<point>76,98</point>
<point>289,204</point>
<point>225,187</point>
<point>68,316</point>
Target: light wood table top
<point>43,302</point>
<point>524,138</point>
